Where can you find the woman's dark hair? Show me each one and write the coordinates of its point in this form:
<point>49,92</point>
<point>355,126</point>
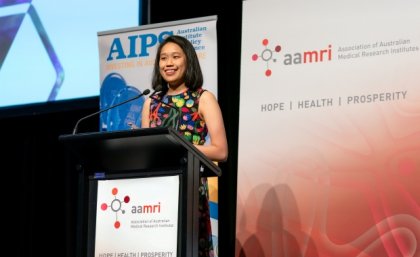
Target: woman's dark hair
<point>193,76</point>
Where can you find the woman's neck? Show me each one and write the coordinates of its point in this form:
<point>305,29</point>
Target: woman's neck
<point>176,90</point>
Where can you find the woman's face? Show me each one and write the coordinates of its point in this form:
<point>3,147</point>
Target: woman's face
<point>172,64</point>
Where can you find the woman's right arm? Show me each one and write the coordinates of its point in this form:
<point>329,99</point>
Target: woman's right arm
<point>145,120</point>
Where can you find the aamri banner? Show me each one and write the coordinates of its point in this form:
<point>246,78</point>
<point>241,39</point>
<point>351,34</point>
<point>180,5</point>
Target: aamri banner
<point>329,144</point>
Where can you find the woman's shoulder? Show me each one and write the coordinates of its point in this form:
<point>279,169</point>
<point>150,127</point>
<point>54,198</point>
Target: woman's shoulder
<point>207,97</point>
<point>202,92</point>
<point>207,94</point>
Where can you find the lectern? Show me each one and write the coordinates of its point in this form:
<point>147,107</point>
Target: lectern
<point>138,192</point>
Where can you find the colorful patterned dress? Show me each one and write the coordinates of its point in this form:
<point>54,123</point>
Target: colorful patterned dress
<point>185,119</point>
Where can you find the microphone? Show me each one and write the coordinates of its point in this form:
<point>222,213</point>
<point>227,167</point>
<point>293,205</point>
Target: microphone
<point>145,92</point>
<point>178,112</point>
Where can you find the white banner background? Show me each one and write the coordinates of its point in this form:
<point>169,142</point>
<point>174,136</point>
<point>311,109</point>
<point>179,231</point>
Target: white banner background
<point>328,149</point>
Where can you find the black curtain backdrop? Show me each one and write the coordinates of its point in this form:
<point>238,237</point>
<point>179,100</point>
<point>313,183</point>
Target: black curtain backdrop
<point>39,175</point>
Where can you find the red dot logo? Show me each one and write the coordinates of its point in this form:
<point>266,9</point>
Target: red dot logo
<point>116,206</point>
<point>267,55</point>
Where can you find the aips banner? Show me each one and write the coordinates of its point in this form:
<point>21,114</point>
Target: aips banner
<point>127,57</point>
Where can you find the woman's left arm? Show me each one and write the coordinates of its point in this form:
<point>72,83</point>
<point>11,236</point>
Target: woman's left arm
<point>209,110</point>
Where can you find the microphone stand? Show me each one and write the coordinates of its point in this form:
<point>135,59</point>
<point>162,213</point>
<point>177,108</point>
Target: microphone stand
<point>145,92</point>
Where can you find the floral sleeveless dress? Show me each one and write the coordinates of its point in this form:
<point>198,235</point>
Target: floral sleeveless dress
<point>187,121</point>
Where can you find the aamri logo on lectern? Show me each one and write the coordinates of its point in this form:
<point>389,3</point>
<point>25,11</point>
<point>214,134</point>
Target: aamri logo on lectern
<point>116,206</point>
